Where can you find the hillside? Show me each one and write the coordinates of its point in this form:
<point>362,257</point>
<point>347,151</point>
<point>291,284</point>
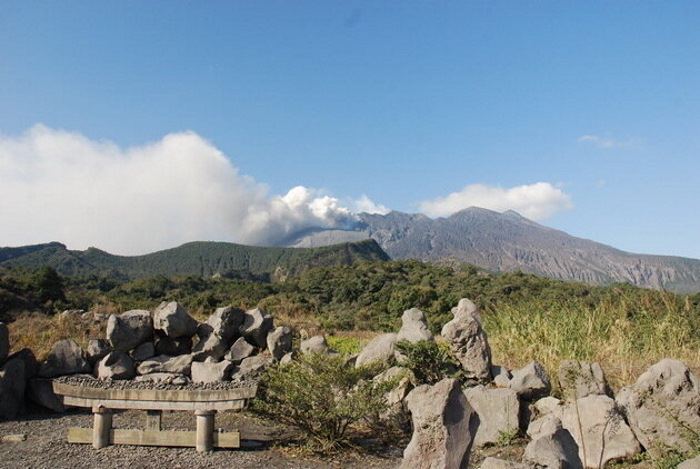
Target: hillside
<point>203,259</point>
<point>507,242</point>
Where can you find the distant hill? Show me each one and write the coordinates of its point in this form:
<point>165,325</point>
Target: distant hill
<point>197,258</point>
<point>508,242</point>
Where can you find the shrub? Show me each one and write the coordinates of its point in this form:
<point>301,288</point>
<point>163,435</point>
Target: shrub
<point>321,395</point>
<point>429,361</point>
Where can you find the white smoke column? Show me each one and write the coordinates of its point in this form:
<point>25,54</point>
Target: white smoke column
<point>58,185</point>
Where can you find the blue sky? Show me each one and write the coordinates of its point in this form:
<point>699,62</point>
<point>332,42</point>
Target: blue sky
<point>134,126</point>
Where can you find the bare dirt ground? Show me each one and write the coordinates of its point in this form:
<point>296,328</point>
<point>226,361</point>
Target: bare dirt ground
<point>37,440</point>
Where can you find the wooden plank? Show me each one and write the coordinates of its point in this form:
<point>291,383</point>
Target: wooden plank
<point>182,438</point>
<point>187,395</point>
<point>153,405</point>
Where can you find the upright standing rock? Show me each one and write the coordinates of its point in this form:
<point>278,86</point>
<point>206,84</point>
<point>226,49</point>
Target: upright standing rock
<point>441,435</point>
<point>128,330</point>
<point>663,404</point>
<point>414,326</point>
<point>13,382</point>
<point>468,341</point>
<point>173,320</point>
<point>279,342</point>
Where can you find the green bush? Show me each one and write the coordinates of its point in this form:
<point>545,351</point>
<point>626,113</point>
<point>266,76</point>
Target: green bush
<point>323,396</point>
<point>429,361</point>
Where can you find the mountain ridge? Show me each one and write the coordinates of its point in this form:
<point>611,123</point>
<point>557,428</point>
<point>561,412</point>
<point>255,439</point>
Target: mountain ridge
<point>508,241</point>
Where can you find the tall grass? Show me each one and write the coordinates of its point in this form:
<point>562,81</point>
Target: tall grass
<point>625,335</point>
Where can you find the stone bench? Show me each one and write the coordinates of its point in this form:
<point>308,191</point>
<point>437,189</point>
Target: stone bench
<point>204,403</point>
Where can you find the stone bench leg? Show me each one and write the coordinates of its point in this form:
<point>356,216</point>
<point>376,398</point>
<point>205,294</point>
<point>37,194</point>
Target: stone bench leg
<point>205,430</point>
<point>102,426</point>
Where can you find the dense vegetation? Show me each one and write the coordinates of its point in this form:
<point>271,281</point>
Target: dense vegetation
<point>526,317</point>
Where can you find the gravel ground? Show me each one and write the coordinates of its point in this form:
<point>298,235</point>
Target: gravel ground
<point>45,446</point>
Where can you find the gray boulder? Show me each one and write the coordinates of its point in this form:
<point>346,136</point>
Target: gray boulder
<point>165,364</point>
<point>497,412</point>
<point>501,376</point>
<point>4,342</point>
<point>40,391</point>
<point>380,349</point>
<point>226,322</point>
<point>315,344</point>
<point>279,342</point>
<point>210,344</point>
<point>173,320</point>
<point>31,365</point>
<point>580,379</point>
<point>143,352</point>
<point>494,463</point>
<point>240,350</point>
<point>210,371</point>
<point>257,323</point>
<point>251,368</point>
<point>115,365</point>
<point>13,382</point>
<point>468,341</point>
<point>531,382</point>
<point>65,358</point>
<point>553,447</point>
<point>414,327</point>
<point>598,426</point>
<point>170,346</point>
<point>128,330</point>
<point>662,404</point>
<point>97,349</point>
<point>441,435</point>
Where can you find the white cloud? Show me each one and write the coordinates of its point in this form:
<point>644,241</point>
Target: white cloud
<point>364,204</point>
<point>58,185</point>
<point>535,201</point>
<point>606,142</point>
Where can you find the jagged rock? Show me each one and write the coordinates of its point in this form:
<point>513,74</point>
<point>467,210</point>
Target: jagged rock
<point>4,342</point>
<point>97,349</point>
<point>466,306</point>
<point>279,341</point>
<point>662,404</point>
<point>690,463</point>
<point>468,341</point>
<point>40,391</point>
<point>65,358</point>
<point>380,349</point>
<point>596,424</point>
<point>143,352</point>
<point>441,435</point>
<point>494,463</point>
<point>548,405</point>
<point>396,396</point>
<point>165,364</point>
<point>240,350</point>
<point>210,371</point>
<point>210,344</point>
<point>170,346</point>
<point>497,412</point>
<point>531,381</point>
<point>115,365</point>
<point>315,344</point>
<point>13,382</point>
<point>501,376</point>
<point>580,379</point>
<point>173,320</point>
<point>128,330</point>
<point>553,448</point>
<point>31,365</point>
<point>255,327</point>
<point>251,368</point>
<point>226,322</point>
<point>414,326</point>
